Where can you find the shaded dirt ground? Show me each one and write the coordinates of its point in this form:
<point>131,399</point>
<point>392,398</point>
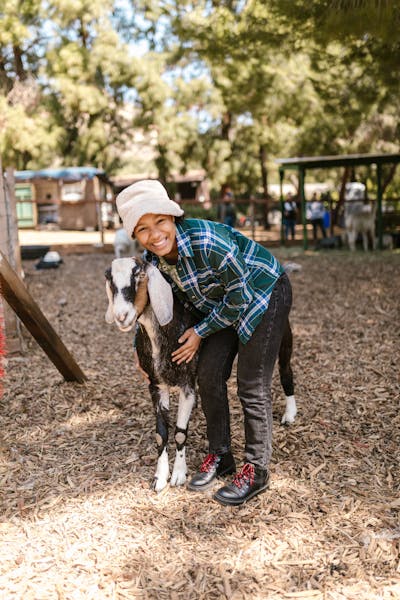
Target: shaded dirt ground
<point>78,520</point>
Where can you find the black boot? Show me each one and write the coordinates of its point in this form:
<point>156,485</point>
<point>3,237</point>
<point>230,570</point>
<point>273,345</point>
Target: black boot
<point>251,480</point>
<point>212,467</point>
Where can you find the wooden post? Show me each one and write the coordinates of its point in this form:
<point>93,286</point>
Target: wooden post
<point>379,207</point>
<point>20,300</point>
<point>281,200</point>
<point>302,174</point>
<point>96,191</point>
<point>252,216</point>
<point>9,245</point>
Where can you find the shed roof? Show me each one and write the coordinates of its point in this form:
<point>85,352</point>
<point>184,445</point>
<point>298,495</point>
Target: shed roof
<point>64,173</point>
<point>319,162</point>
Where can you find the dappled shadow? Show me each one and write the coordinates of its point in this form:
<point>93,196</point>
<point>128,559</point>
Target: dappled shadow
<point>77,460</point>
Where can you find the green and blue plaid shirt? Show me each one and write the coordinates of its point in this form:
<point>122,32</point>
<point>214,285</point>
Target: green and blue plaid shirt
<point>226,276</point>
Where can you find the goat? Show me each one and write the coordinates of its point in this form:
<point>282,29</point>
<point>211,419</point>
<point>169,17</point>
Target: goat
<point>124,245</point>
<point>138,293</point>
<point>360,218</point>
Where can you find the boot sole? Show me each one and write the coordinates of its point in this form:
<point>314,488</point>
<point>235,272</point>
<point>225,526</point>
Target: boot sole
<point>238,502</point>
<point>207,486</point>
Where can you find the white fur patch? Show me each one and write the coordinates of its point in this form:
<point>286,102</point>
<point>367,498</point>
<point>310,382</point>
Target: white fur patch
<point>291,410</point>
<point>179,472</point>
<point>162,472</point>
<point>185,407</point>
<point>124,312</point>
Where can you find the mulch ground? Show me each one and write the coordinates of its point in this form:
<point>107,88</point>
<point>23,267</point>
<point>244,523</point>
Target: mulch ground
<point>78,520</point>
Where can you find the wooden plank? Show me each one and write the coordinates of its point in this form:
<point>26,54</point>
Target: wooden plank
<point>20,300</point>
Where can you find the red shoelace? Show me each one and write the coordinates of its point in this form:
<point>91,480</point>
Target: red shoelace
<point>246,475</point>
<point>208,463</point>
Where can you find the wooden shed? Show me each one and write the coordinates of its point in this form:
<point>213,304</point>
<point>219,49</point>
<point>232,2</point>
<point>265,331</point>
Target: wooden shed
<point>191,187</point>
<point>70,198</point>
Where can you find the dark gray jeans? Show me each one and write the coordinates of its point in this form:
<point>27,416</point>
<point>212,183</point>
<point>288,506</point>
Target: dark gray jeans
<point>256,361</point>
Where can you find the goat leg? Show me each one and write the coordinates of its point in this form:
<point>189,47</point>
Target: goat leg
<point>161,402</point>
<point>187,400</point>
<point>286,374</point>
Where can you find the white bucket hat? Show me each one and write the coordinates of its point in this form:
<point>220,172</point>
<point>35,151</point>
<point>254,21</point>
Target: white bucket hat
<point>142,198</point>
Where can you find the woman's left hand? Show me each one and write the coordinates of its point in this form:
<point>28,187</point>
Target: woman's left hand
<point>190,343</point>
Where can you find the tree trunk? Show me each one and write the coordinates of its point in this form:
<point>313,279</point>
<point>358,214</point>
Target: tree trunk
<point>9,245</point>
<point>162,163</point>
<point>18,64</point>
<point>264,179</point>
<point>5,83</point>
<point>345,178</point>
<point>226,125</point>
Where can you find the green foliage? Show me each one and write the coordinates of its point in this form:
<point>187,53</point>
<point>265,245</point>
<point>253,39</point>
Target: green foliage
<point>196,211</point>
<point>225,85</point>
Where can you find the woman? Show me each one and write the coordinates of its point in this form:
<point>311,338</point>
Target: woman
<point>243,299</point>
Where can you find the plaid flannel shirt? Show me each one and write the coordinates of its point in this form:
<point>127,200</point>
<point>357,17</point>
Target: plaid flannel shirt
<point>226,276</point>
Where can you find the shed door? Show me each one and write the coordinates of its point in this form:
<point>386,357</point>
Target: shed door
<point>25,206</point>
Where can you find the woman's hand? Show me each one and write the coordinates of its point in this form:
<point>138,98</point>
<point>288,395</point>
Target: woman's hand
<point>190,343</point>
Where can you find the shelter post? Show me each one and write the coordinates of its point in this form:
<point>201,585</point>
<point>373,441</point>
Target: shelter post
<point>302,174</point>
<point>281,175</point>
<point>379,201</point>
<point>252,216</point>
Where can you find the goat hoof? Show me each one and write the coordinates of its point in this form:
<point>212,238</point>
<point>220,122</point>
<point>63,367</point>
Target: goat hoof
<point>157,485</point>
<point>288,419</point>
<point>178,478</point>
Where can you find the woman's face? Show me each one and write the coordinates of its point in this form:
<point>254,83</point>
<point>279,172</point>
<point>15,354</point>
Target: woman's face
<point>157,234</point>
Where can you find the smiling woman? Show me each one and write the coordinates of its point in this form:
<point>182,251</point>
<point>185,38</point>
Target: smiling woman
<point>242,299</point>
<point>156,233</point>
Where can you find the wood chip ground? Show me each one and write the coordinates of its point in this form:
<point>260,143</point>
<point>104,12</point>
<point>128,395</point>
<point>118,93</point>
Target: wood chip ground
<point>78,520</point>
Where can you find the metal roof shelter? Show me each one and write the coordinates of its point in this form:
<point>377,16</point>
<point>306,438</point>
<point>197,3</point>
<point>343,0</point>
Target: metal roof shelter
<point>301,165</point>
<point>65,173</point>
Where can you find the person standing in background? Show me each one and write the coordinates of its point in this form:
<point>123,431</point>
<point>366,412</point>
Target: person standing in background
<point>227,208</point>
<point>316,213</point>
<point>289,216</point>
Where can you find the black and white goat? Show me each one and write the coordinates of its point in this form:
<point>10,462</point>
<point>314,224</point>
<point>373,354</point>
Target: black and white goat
<point>137,292</point>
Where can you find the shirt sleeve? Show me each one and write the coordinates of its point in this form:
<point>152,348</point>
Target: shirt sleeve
<point>230,269</point>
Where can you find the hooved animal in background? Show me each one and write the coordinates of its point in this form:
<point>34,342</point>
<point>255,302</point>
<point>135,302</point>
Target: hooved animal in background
<point>360,220</point>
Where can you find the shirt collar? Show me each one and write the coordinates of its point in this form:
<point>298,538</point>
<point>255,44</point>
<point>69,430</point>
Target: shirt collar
<point>182,241</point>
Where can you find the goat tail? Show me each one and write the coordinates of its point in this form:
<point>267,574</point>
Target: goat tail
<point>285,355</point>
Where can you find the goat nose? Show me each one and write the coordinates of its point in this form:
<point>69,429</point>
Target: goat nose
<point>122,317</point>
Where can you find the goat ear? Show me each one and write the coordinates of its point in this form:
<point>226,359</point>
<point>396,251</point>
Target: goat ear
<point>161,298</point>
<point>110,311</point>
